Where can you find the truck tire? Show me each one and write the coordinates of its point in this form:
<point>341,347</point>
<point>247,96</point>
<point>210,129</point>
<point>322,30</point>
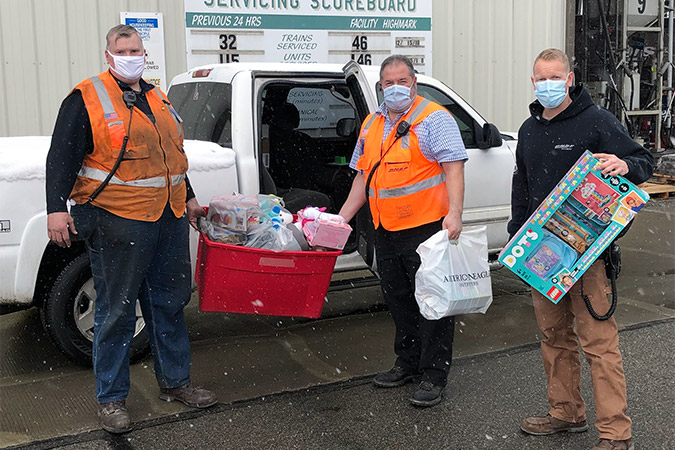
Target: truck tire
<point>67,314</point>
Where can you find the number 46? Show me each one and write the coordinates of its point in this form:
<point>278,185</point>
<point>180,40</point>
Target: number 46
<point>360,43</point>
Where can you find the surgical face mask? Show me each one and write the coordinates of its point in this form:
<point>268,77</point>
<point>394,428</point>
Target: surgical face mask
<point>128,67</point>
<point>397,98</point>
<point>550,93</point>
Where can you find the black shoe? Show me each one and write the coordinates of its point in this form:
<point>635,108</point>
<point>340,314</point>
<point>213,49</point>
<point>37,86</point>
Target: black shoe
<point>396,377</point>
<point>428,394</point>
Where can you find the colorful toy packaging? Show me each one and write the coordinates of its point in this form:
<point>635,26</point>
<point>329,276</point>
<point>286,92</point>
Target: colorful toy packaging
<point>572,227</point>
<point>323,229</point>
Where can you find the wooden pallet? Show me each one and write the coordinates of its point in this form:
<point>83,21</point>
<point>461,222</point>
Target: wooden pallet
<point>658,190</point>
<point>662,177</point>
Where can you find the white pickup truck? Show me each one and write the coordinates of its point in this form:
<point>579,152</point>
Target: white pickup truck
<point>288,129</point>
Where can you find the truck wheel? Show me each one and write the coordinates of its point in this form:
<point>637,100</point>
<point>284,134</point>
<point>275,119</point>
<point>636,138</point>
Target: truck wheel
<point>68,314</point>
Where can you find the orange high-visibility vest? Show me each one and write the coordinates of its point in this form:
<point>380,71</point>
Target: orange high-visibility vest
<point>407,189</point>
<point>152,171</point>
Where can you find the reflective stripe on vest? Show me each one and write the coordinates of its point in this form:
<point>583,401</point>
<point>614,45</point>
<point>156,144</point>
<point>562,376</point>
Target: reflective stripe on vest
<point>418,110</point>
<point>408,190</point>
<point>405,144</point>
<point>104,98</point>
<point>110,113</point>
<point>412,117</point>
<point>177,179</point>
<point>411,189</point>
<point>405,141</point>
<point>155,182</point>
<point>367,125</point>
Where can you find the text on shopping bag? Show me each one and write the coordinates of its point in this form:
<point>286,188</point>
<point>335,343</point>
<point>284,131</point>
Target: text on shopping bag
<point>454,278</point>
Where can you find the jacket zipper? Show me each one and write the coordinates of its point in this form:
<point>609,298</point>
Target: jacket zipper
<point>168,172</point>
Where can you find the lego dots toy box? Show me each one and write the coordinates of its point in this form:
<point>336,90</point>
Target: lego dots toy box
<point>572,227</point>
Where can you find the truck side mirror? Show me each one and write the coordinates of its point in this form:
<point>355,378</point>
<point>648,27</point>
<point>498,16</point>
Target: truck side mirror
<point>345,127</point>
<point>490,137</point>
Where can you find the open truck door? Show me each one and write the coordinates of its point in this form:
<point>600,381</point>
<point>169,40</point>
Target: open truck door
<point>365,102</point>
<point>306,125</point>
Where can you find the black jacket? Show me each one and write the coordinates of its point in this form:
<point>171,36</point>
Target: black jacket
<point>547,149</point>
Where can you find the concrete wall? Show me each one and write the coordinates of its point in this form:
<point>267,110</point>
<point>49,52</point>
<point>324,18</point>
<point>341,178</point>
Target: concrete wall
<point>482,48</point>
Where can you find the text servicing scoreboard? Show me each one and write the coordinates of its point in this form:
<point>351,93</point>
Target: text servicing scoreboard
<point>306,31</point>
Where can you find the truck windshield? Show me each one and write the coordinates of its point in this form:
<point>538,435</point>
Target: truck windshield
<point>206,110</point>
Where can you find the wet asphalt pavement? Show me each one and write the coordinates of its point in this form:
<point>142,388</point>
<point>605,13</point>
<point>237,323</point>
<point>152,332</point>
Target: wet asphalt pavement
<point>484,401</point>
<point>287,383</point>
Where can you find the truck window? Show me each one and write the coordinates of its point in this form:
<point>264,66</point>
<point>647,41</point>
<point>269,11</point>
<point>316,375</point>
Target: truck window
<point>319,110</point>
<point>206,110</point>
<point>467,126</point>
<point>307,135</point>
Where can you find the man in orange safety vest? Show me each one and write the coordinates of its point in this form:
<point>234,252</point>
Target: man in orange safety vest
<point>410,162</point>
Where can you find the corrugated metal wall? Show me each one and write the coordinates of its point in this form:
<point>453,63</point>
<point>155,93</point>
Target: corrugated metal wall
<point>482,48</point>
<point>47,47</point>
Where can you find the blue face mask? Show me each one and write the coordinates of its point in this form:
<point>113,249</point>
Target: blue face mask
<point>550,93</point>
<point>397,98</point>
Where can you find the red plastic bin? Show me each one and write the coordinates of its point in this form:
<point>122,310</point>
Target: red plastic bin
<point>237,279</point>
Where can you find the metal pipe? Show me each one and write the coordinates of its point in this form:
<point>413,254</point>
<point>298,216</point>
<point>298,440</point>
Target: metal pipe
<point>670,45</point>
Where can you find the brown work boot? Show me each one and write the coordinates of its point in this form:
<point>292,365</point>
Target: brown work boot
<point>190,395</point>
<point>542,426</point>
<point>114,417</point>
<point>607,444</point>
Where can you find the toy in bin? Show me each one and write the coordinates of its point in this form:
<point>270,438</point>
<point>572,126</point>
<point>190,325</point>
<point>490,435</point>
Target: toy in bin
<point>253,221</point>
<point>323,229</point>
<point>572,227</point>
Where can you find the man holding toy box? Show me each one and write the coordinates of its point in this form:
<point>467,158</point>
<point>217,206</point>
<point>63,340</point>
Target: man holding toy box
<point>564,124</point>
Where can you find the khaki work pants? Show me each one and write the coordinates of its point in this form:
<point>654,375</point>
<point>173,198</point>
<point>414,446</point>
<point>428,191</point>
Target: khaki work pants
<point>600,343</point>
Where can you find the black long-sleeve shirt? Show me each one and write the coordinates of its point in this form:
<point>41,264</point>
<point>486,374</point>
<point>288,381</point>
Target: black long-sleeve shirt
<point>72,140</point>
<point>547,149</point>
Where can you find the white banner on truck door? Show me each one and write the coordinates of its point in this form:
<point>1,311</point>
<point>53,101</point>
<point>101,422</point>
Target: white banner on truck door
<point>321,31</point>
<point>151,28</point>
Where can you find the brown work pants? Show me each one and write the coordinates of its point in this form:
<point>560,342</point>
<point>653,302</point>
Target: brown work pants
<point>600,343</point>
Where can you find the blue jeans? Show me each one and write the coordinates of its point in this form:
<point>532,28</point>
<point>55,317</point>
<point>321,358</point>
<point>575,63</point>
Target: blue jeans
<point>148,261</point>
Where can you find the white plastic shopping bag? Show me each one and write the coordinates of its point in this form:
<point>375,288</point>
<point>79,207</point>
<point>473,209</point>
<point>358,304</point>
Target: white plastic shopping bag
<point>454,277</point>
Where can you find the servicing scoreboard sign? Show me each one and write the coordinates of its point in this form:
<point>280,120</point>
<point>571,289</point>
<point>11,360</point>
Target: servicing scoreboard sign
<point>308,31</point>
